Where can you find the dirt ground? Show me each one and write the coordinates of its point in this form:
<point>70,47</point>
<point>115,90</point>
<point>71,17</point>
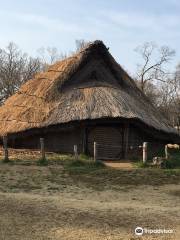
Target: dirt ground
<point>121,165</point>
<point>52,203</point>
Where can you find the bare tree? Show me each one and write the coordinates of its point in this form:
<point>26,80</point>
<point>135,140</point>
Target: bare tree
<point>154,61</point>
<point>80,44</point>
<point>49,56</point>
<point>175,97</point>
<point>160,86</point>
<point>151,91</point>
<point>169,98</point>
<point>177,80</point>
<point>15,68</point>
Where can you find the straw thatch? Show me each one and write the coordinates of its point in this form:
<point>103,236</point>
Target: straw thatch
<point>88,85</point>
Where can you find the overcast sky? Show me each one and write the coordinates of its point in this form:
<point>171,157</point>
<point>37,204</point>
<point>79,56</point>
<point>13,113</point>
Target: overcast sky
<point>121,24</point>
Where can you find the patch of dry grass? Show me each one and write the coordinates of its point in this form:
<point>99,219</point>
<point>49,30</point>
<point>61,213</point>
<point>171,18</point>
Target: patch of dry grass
<point>80,200</point>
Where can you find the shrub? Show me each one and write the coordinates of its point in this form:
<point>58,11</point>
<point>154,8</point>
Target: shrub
<point>83,166</point>
<point>171,163</point>
<point>140,164</point>
<point>83,163</point>
<point>42,162</point>
<point>83,156</point>
<point>6,161</point>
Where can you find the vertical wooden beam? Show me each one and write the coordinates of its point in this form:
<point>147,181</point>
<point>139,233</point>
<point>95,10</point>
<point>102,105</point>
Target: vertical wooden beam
<point>42,148</point>
<point>84,140</point>
<point>145,148</point>
<point>166,152</point>
<point>5,147</point>
<point>95,151</point>
<point>75,152</point>
<point>126,140</point>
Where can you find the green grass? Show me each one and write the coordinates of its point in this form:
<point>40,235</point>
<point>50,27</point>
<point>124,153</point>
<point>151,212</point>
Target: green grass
<point>79,174</point>
<point>172,163</point>
<point>83,156</point>
<point>6,161</point>
<point>42,162</point>
<point>174,160</point>
<point>67,161</point>
<point>140,164</point>
<point>83,166</point>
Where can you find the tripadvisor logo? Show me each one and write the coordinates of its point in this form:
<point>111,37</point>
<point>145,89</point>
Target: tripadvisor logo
<point>139,231</point>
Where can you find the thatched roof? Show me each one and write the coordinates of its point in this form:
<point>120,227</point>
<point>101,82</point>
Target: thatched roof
<point>88,85</point>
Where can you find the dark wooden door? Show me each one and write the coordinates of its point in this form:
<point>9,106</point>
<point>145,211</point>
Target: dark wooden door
<point>109,142</point>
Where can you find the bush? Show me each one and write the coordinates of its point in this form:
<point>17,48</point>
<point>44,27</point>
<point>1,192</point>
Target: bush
<point>83,156</point>
<point>42,162</point>
<point>171,163</point>
<point>83,166</point>
<point>140,164</point>
<point>85,163</point>
<point>6,161</point>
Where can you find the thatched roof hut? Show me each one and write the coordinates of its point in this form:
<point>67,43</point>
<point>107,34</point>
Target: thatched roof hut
<point>86,87</point>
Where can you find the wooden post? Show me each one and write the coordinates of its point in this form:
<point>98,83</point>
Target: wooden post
<point>95,151</point>
<point>84,139</point>
<point>6,155</point>
<point>126,140</point>
<point>42,148</point>
<point>166,152</point>
<point>145,146</point>
<point>75,152</point>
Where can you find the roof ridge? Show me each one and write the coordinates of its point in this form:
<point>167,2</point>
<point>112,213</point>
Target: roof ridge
<point>93,45</point>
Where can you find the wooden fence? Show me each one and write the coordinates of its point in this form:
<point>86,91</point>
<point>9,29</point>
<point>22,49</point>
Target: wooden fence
<point>5,152</point>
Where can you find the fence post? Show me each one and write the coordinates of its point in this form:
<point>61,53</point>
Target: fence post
<point>75,152</point>
<point>42,148</point>
<point>95,151</point>
<point>6,155</point>
<point>145,146</point>
<point>166,152</point>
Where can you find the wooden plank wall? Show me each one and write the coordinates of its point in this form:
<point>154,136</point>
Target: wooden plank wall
<point>109,142</point>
